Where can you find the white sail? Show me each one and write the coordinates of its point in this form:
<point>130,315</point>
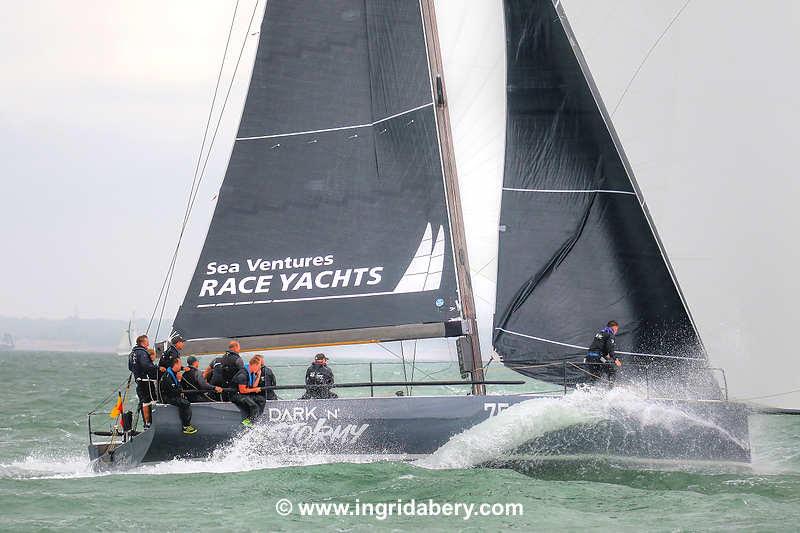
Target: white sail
<point>127,339</point>
<point>472,37</point>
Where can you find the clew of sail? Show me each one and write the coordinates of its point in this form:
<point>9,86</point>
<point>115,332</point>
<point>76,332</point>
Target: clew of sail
<point>577,246</point>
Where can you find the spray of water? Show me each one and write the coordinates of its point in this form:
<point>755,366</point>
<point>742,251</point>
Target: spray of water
<point>524,422</point>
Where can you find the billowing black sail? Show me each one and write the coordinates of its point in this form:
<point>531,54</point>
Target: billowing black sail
<point>332,215</point>
<point>577,245</point>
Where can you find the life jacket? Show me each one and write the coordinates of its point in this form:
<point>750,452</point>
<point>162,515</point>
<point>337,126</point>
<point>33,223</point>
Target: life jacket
<point>172,375</point>
<point>230,366</point>
<point>190,378</point>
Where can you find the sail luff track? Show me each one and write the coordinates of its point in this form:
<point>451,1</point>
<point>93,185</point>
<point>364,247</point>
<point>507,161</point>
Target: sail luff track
<point>453,194</point>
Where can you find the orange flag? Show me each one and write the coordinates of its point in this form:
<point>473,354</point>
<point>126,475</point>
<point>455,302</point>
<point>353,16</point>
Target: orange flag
<point>117,410</point>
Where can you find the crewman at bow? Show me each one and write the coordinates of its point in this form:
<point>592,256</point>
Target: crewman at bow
<point>601,357</point>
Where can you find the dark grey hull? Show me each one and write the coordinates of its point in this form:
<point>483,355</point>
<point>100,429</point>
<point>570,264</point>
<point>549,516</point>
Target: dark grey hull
<point>407,427</point>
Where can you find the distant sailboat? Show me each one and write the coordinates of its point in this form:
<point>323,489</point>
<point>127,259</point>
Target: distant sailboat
<point>128,338</point>
<point>8,342</point>
<point>339,222</point>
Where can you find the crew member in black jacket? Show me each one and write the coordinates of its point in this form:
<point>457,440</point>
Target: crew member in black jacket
<point>194,380</point>
<point>171,393</point>
<point>601,357</point>
<point>318,375</point>
<point>267,379</point>
<point>145,373</point>
<point>172,352</point>
<point>227,366</point>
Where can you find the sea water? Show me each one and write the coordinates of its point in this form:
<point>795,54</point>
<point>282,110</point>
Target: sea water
<point>46,481</point>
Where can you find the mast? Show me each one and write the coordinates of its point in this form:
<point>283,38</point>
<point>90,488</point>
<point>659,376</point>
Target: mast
<point>451,190</point>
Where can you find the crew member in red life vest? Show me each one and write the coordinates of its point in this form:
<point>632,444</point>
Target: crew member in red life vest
<point>601,358</point>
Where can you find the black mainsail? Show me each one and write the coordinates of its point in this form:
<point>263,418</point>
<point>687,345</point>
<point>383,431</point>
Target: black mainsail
<point>332,221</point>
<point>577,245</point>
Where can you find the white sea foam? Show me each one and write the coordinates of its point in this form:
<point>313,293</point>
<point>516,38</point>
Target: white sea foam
<point>524,422</point>
<point>47,466</point>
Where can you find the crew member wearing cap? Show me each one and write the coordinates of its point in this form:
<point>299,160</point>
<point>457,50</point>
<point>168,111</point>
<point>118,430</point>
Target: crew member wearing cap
<point>172,352</point>
<point>318,379</point>
<point>193,380</point>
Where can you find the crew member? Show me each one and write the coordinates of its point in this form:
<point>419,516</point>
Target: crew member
<point>267,379</point>
<point>228,366</point>
<point>318,379</point>
<point>140,363</point>
<point>172,393</point>
<point>172,352</point>
<point>194,380</point>
<point>601,358</point>
<point>249,396</point>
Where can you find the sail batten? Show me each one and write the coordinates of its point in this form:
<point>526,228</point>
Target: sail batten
<point>334,197</point>
<point>577,245</point>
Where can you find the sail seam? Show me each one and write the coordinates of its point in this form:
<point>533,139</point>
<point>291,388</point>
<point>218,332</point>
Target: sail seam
<point>326,130</point>
<point>586,348</point>
<point>608,191</point>
<point>281,300</point>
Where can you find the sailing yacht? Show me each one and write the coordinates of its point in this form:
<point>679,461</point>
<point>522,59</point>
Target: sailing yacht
<point>127,339</point>
<point>339,222</point>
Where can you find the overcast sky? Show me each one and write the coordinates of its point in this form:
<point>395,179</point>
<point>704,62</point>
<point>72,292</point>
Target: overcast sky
<point>103,103</point>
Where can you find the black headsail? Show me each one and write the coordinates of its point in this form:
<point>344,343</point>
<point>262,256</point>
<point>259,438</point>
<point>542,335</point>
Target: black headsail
<point>332,222</point>
<point>577,245</point>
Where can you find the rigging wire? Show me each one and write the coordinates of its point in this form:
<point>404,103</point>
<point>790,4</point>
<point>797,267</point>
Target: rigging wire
<point>413,367</point>
<point>405,374</point>
<point>767,396</point>
<point>193,195</point>
<point>197,165</point>
<point>647,56</point>
<point>426,374</point>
